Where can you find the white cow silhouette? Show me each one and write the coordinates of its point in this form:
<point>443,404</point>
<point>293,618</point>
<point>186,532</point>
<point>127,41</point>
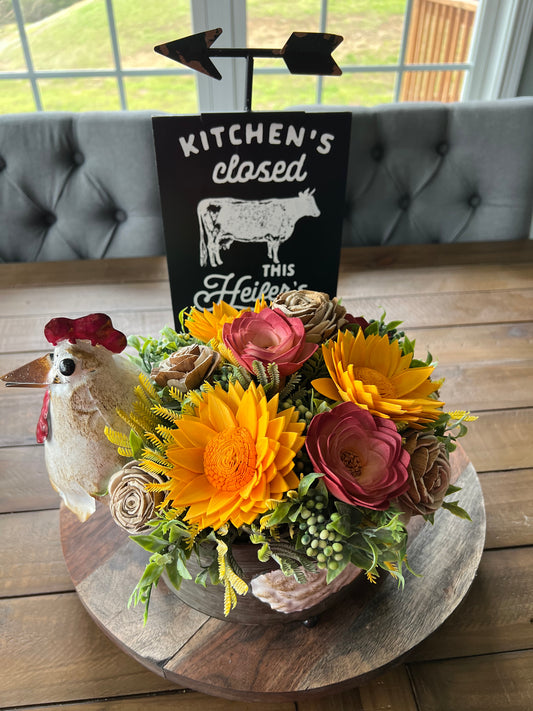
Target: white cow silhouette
<point>224,221</point>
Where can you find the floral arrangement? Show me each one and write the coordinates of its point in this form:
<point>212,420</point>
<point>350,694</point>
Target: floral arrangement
<point>294,426</point>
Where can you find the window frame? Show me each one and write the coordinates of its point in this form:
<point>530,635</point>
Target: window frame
<point>501,37</point>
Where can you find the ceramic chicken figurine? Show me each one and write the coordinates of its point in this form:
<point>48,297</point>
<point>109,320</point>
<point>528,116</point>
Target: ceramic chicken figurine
<point>87,380</point>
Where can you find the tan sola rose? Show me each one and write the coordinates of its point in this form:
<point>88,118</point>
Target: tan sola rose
<point>186,368</point>
<point>130,504</point>
<point>429,474</point>
<point>321,316</point>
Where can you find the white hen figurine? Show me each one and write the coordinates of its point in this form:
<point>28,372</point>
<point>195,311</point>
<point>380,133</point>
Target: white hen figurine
<point>87,380</point>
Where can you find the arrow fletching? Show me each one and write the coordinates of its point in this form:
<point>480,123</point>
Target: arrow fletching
<point>310,53</point>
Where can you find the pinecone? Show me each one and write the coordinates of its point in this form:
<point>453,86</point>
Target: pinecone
<point>321,316</point>
<point>429,474</point>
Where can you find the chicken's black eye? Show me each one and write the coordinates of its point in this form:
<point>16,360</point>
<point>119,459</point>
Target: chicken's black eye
<point>67,366</point>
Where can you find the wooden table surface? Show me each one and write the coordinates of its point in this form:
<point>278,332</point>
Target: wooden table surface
<point>470,305</point>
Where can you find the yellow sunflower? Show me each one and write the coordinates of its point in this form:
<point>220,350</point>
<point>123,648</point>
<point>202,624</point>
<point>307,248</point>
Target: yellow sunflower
<point>373,373</point>
<point>207,325</point>
<point>233,454</point>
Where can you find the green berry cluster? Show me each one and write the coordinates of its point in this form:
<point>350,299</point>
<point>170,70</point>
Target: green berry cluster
<point>318,535</point>
<point>303,410</point>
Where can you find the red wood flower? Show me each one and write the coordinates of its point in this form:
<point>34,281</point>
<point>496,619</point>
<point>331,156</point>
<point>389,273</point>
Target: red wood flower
<point>269,337</point>
<point>361,456</point>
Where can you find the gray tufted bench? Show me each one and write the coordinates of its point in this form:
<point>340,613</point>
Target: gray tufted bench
<point>430,172</point>
<point>84,186</point>
<point>78,186</point>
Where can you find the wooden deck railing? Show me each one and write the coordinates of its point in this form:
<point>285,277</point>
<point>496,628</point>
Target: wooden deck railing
<point>440,32</point>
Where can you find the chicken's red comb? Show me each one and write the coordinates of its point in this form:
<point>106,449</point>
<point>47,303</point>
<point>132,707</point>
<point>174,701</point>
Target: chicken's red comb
<point>96,328</point>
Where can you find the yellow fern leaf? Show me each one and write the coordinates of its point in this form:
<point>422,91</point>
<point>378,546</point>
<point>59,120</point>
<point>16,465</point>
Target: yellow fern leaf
<point>143,412</point>
<point>155,457</point>
<point>167,433</point>
<point>236,583</point>
<point>131,422</point>
<point>176,394</point>
<point>125,451</point>
<point>165,413</point>
<point>371,576</point>
<point>115,437</point>
<point>148,386</point>
<point>154,440</point>
<point>156,487</point>
<point>153,468</point>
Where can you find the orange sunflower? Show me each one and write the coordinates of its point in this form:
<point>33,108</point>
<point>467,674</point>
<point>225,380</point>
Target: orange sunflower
<point>233,454</point>
<point>207,325</point>
<point>373,373</point>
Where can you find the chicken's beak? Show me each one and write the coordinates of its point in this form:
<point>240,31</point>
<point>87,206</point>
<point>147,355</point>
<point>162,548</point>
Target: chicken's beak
<point>36,374</point>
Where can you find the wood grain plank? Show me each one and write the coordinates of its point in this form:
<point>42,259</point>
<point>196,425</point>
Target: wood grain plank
<point>391,690</point>
<point>476,345</point>
<point>25,333</point>
<point>462,308</point>
<point>499,440</point>
<point>509,508</point>
<point>491,683</point>
<point>24,481</point>
<point>386,258</point>
<point>377,283</point>
<point>53,652</point>
<point>391,258</point>
<point>487,621</point>
<point>181,700</point>
<point>85,272</point>
<point>31,558</point>
<point>71,299</point>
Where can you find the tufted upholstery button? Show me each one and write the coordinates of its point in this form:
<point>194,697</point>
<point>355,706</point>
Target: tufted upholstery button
<point>3,164</point>
<point>120,216</point>
<point>474,200</point>
<point>49,219</point>
<point>377,152</point>
<point>78,158</point>
<point>442,148</point>
<point>404,202</point>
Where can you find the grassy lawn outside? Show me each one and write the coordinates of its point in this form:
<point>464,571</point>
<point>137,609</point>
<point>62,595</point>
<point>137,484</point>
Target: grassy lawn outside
<point>77,37</point>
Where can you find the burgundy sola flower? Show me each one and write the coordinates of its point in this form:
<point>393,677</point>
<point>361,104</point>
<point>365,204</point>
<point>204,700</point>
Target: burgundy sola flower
<point>361,456</point>
<point>96,328</point>
<point>269,337</point>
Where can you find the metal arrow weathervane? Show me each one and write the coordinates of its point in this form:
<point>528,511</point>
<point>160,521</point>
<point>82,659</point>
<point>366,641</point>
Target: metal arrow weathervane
<point>303,53</point>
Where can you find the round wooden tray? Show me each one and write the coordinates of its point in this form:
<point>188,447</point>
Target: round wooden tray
<point>371,629</point>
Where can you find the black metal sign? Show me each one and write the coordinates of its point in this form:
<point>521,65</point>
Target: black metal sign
<point>252,203</point>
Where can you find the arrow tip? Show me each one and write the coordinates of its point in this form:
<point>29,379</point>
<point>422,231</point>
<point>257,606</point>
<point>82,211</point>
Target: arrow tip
<point>192,51</point>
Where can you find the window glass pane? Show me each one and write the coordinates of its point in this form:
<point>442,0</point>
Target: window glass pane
<point>76,37</point>
<point>440,31</point>
<point>432,86</point>
<point>271,23</point>
<point>359,89</point>
<point>92,94</point>
<point>372,30</point>
<point>11,55</point>
<point>141,25</point>
<point>173,95</point>
<point>16,96</point>
<point>278,91</point>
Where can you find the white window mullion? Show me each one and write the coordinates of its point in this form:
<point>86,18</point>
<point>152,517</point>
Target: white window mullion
<point>27,54</point>
<point>227,94</point>
<point>499,47</point>
<point>116,53</point>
